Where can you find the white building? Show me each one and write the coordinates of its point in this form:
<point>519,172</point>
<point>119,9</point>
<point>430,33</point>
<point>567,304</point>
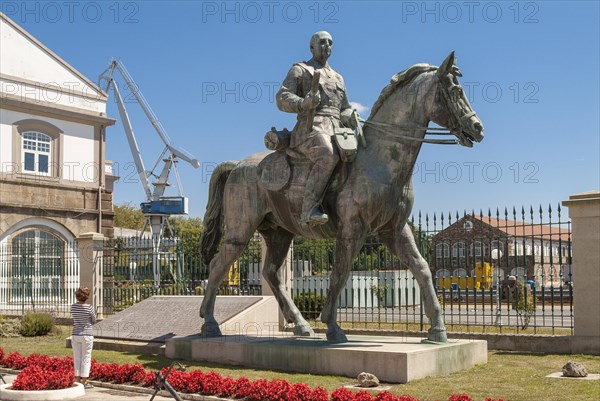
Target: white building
<point>55,183</point>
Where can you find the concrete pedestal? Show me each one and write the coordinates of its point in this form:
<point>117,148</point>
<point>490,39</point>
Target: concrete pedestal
<point>391,359</point>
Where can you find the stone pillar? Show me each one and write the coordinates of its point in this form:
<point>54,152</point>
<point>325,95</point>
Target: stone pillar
<point>584,211</point>
<point>91,250</point>
<point>286,268</point>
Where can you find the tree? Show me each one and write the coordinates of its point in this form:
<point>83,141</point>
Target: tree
<point>128,216</point>
<point>523,304</point>
<point>188,230</point>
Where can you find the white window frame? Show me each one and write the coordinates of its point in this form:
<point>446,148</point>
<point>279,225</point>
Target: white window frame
<point>478,249</point>
<point>443,273</point>
<point>499,245</point>
<point>37,144</point>
<point>442,250</point>
<point>458,250</point>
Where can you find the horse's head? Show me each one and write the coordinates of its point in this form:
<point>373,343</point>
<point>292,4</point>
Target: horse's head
<point>452,109</point>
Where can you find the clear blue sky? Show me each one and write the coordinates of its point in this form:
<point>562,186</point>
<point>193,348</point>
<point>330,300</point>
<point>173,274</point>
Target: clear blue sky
<point>210,70</point>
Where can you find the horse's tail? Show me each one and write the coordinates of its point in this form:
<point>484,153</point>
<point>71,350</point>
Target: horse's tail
<point>213,218</point>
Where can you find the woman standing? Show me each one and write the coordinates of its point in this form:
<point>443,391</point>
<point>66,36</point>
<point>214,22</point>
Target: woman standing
<point>82,340</point>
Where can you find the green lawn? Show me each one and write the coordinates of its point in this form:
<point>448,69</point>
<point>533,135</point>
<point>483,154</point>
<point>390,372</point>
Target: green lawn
<point>512,375</point>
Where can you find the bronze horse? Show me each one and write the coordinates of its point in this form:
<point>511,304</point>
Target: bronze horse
<point>375,197</point>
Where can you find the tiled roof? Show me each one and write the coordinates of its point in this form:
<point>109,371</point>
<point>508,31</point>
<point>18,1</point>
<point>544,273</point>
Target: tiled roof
<point>529,230</point>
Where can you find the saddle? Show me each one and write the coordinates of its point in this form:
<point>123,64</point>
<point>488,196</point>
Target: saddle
<point>286,167</point>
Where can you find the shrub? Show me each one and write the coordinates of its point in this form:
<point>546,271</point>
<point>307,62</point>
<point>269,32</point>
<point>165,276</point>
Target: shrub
<point>195,381</point>
<point>363,395</point>
<point>279,390</point>
<point>130,373</point>
<point>523,304</point>
<point>44,373</point>
<point>212,383</point>
<point>242,387</point>
<point>319,394</point>
<point>310,304</point>
<point>10,328</point>
<point>228,387</point>
<point>30,378</point>
<point>14,360</point>
<point>149,379</point>
<point>36,324</point>
<point>342,394</point>
<point>300,392</point>
<point>259,390</point>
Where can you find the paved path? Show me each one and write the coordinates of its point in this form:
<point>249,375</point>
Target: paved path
<point>106,394</point>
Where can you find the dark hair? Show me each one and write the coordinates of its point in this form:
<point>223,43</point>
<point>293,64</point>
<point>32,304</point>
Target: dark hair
<point>82,294</point>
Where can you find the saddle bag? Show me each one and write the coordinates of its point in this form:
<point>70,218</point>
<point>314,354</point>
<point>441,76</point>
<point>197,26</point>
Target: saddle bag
<point>346,143</point>
<point>277,140</point>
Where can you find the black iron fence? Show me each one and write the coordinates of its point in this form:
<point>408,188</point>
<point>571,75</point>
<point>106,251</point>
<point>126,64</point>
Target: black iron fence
<point>500,271</point>
<point>506,271</point>
<point>134,270</point>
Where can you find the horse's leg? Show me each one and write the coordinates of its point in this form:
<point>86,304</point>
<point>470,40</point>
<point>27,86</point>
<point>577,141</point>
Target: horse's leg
<point>230,250</point>
<point>278,243</point>
<point>242,214</point>
<point>403,245</point>
<point>350,239</point>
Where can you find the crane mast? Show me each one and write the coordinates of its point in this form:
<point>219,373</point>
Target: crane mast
<point>157,208</point>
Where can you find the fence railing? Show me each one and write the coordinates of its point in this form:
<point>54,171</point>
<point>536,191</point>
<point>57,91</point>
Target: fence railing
<point>501,271</point>
<point>129,266</point>
<point>493,272</point>
<point>38,276</point>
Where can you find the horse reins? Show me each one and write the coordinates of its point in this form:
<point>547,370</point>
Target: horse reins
<point>379,126</point>
<point>443,131</point>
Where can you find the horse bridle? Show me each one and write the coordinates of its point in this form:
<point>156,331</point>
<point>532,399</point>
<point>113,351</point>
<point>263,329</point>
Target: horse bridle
<point>457,124</point>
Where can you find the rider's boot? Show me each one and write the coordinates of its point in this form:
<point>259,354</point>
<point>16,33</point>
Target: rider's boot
<point>313,191</point>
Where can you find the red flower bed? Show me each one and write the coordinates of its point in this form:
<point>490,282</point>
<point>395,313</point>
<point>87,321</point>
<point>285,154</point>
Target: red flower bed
<point>41,372</point>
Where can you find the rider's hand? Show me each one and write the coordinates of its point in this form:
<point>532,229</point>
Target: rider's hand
<point>311,101</point>
<point>354,117</point>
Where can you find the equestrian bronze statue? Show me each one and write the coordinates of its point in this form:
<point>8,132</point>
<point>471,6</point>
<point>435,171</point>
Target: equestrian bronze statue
<point>370,193</point>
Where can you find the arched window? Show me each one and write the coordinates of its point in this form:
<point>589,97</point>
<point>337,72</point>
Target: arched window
<point>37,153</point>
<point>458,250</point>
<point>37,266</point>
<point>498,245</point>
<point>477,249</point>
<point>442,250</point>
<point>442,273</point>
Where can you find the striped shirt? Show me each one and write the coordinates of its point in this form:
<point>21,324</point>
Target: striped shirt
<point>84,316</point>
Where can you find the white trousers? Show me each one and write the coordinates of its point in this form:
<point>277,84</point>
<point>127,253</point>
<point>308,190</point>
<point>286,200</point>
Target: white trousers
<point>82,354</point>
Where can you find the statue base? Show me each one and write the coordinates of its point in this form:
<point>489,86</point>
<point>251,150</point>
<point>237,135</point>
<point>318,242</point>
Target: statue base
<point>391,359</point>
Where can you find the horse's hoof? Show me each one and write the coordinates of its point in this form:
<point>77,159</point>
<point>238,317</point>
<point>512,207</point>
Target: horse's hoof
<point>210,330</point>
<point>303,331</point>
<point>337,336</point>
<point>436,336</point>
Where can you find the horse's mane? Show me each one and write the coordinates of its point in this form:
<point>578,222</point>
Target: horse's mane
<point>400,79</point>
